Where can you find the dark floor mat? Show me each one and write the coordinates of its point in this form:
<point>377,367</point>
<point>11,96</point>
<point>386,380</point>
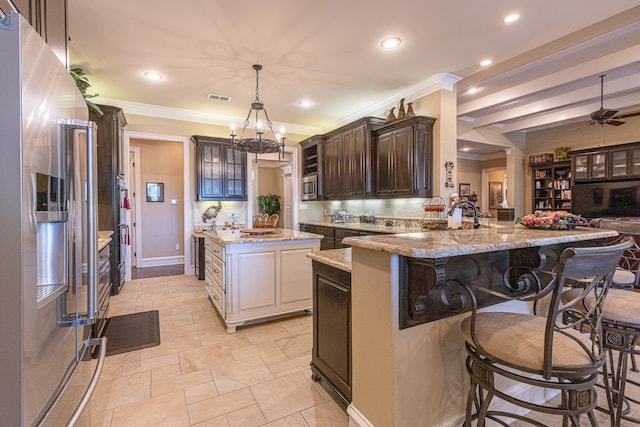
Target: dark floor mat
<point>131,332</point>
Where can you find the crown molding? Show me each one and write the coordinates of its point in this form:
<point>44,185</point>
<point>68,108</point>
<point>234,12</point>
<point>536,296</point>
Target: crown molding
<point>442,81</point>
<point>170,113</point>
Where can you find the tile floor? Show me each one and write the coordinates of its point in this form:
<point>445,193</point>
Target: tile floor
<point>201,376</point>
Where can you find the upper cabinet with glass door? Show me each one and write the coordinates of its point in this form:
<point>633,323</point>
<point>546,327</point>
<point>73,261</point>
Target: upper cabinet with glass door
<point>625,162</point>
<point>615,163</point>
<point>590,166</point>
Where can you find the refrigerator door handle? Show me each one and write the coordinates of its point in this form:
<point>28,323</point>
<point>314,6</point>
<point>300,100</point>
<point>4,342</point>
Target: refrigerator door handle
<point>91,239</point>
<point>92,224</point>
<point>77,413</point>
<point>102,342</point>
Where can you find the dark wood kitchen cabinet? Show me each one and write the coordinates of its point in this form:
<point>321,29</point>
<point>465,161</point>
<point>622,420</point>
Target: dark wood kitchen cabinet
<point>616,162</point>
<point>110,135</point>
<point>198,259</point>
<point>48,18</point>
<point>347,160</point>
<point>331,354</point>
<point>220,170</point>
<point>403,158</point>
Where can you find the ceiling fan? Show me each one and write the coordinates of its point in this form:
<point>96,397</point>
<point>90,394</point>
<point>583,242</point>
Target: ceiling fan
<point>605,116</point>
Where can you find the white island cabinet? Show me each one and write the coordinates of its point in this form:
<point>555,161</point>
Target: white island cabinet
<point>251,278</point>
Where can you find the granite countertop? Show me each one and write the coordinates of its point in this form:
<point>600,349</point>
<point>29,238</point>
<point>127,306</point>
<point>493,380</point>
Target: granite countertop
<point>439,244</point>
<point>226,237</point>
<point>103,242</point>
<point>337,258</point>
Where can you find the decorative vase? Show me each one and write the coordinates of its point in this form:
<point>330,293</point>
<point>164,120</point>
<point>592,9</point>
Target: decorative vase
<point>390,115</point>
<point>410,112</point>
<point>401,112</point>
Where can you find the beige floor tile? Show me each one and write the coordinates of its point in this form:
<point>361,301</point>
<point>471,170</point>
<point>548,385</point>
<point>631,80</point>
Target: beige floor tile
<point>242,373</point>
<point>290,366</point>
<point>215,422</point>
<point>274,357</point>
<point>294,420</point>
<point>149,364</point>
<point>286,395</point>
<point>170,343</point>
<point>250,416</point>
<point>180,382</point>
<point>220,405</point>
<point>296,346</point>
<point>101,418</point>
<point>254,350</point>
<point>201,392</point>
<point>168,410</point>
<point>121,391</point>
<point>205,357</point>
<point>164,372</point>
<point>264,333</point>
<point>327,414</point>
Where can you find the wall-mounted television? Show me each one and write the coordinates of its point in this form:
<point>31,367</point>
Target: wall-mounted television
<point>606,199</point>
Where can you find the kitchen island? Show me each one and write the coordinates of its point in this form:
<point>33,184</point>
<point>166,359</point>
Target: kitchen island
<point>254,277</point>
<point>407,350</point>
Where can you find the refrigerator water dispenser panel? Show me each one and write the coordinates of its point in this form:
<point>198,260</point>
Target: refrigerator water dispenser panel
<point>52,238</point>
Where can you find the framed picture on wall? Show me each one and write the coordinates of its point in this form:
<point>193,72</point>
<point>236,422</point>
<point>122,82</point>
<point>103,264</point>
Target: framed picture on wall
<point>495,194</point>
<point>464,190</point>
<point>155,192</point>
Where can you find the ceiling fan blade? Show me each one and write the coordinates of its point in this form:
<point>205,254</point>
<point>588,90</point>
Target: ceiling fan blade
<point>615,122</point>
<point>581,126</point>
<point>624,116</point>
<point>603,114</point>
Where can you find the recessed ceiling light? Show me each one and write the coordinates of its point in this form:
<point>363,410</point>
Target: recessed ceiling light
<point>390,43</point>
<point>305,103</point>
<point>472,90</point>
<point>485,62</point>
<point>511,18</point>
<point>152,75</point>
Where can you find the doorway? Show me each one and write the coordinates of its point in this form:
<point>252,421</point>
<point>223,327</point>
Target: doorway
<point>160,240</point>
<point>270,174</point>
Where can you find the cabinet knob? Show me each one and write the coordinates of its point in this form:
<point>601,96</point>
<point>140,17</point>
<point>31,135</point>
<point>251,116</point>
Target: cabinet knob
<point>215,270</point>
<point>216,297</point>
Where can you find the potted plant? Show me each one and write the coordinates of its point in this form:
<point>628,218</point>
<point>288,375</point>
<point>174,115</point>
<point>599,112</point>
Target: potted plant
<point>269,203</point>
<point>82,81</point>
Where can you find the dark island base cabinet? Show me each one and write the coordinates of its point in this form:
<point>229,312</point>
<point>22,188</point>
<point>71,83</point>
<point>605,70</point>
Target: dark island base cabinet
<point>198,250</point>
<point>331,354</point>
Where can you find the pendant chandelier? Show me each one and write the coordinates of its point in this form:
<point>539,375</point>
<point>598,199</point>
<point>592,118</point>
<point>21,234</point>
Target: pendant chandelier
<point>258,144</point>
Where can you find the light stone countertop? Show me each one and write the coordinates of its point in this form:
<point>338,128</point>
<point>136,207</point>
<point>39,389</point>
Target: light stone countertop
<point>439,244</point>
<point>337,258</point>
<point>104,238</point>
<point>226,237</point>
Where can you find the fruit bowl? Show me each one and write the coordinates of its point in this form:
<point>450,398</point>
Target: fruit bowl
<point>556,220</point>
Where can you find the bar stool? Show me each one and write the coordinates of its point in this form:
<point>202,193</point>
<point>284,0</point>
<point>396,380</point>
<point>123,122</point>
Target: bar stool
<point>621,325</point>
<point>543,352</point>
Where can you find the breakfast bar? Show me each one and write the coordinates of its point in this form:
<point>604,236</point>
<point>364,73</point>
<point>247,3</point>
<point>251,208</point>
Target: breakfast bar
<point>403,311</point>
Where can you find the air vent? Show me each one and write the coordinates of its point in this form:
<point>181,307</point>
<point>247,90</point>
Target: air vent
<point>219,97</point>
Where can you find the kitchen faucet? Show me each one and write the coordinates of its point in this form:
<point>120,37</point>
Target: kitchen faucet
<point>476,222</point>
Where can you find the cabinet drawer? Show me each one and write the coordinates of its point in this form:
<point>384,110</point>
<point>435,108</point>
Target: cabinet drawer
<point>217,272</point>
<point>217,296</point>
<point>325,231</point>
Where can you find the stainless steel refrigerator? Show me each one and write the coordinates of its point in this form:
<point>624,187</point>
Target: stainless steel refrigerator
<point>47,215</point>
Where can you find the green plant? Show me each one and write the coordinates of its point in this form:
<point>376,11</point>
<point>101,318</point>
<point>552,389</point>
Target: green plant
<point>561,153</point>
<point>269,203</point>
<point>82,81</point>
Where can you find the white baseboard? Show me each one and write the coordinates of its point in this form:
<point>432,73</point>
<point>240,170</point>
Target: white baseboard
<point>356,419</point>
<point>159,261</point>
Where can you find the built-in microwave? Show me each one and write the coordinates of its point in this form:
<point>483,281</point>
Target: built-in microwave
<point>310,187</point>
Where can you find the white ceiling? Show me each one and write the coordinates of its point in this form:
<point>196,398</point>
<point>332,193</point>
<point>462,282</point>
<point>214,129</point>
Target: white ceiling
<point>545,66</point>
